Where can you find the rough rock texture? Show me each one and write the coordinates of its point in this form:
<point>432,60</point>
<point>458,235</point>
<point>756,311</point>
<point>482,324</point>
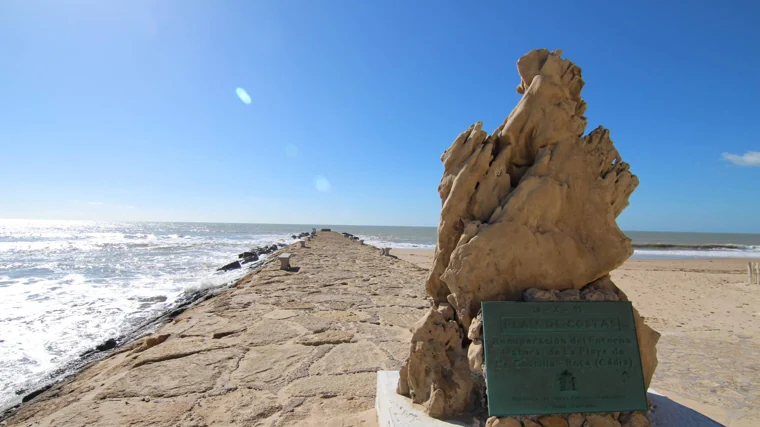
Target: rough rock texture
<point>617,419</point>
<point>533,205</point>
<point>503,422</point>
<point>443,382</point>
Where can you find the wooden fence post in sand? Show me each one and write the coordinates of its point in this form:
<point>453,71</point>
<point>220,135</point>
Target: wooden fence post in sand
<point>749,272</point>
<point>753,270</point>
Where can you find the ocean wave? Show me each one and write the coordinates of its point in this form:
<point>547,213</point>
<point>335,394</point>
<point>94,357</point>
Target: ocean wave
<point>118,241</point>
<point>693,254</point>
<point>696,247</point>
<point>382,243</point>
<point>67,286</point>
<point>727,250</point>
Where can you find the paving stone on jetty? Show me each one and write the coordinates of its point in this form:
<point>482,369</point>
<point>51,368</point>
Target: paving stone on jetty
<point>532,205</point>
<point>272,351</point>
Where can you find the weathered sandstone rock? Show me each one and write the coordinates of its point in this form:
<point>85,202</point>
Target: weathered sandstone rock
<point>437,369</point>
<point>575,420</point>
<point>614,419</point>
<point>552,421</point>
<point>503,422</point>
<point>533,205</point>
<point>635,419</point>
<point>599,420</point>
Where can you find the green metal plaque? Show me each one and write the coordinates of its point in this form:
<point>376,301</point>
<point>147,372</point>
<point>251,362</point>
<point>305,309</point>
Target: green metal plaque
<point>561,357</point>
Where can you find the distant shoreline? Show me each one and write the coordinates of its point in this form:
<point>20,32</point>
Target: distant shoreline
<point>424,258</point>
<point>404,253</point>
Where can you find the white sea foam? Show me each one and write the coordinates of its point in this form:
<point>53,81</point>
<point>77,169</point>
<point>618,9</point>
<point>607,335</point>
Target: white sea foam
<point>67,286</point>
<point>690,254</point>
<point>386,243</point>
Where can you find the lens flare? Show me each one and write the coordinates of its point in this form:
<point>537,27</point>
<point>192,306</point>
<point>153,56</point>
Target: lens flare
<point>321,183</point>
<point>243,95</point>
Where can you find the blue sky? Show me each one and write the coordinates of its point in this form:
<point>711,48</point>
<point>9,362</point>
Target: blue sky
<point>128,110</point>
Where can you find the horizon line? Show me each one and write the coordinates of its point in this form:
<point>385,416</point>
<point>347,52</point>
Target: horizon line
<point>329,225</point>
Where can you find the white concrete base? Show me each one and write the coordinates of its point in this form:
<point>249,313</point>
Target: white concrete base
<point>394,410</point>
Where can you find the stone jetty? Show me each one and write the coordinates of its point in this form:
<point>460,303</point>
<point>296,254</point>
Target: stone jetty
<point>297,347</point>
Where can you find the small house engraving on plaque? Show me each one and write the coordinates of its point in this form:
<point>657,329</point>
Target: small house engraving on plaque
<point>561,357</point>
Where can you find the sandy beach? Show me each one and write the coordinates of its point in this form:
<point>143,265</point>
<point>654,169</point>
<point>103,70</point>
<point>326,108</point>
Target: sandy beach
<point>302,347</point>
<point>708,315</point>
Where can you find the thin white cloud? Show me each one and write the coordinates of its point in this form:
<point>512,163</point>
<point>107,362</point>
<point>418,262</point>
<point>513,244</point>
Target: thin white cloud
<point>750,158</point>
<point>96,203</point>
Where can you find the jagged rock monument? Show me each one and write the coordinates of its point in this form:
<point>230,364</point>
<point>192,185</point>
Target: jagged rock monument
<point>528,213</point>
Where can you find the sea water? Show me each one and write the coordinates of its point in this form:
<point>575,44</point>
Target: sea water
<point>67,286</point>
<point>646,244</point>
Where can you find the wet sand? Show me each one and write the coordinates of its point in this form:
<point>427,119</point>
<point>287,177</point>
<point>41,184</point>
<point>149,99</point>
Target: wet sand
<point>709,318</point>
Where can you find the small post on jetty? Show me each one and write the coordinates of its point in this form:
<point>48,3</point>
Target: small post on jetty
<point>753,269</point>
<point>303,243</point>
